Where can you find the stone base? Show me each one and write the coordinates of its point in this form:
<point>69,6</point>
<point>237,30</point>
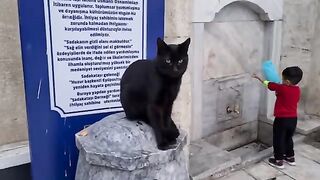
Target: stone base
<point>118,149</point>
<point>173,170</point>
<point>235,137</point>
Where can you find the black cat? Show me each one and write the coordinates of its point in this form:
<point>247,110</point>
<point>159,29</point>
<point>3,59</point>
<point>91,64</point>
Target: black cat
<point>149,88</point>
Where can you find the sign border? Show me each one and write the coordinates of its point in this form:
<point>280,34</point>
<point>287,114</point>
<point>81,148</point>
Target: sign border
<point>52,80</point>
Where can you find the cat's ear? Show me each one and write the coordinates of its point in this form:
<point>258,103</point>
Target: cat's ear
<point>185,46</point>
<point>162,47</point>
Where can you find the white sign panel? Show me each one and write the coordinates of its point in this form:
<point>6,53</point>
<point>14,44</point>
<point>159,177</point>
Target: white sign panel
<point>90,43</point>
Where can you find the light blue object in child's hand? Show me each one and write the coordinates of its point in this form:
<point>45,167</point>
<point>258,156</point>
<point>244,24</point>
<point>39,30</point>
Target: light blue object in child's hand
<point>270,72</point>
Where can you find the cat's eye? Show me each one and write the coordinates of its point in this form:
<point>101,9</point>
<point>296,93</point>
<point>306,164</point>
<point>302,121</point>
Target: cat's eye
<point>168,61</point>
<point>180,61</point>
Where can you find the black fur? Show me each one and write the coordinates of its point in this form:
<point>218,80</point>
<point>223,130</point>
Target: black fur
<point>149,88</point>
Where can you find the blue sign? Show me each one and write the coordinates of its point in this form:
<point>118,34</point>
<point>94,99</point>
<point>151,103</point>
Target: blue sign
<point>74,54</point>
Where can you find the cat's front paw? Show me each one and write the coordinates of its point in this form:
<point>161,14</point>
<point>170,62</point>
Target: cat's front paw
<point>164,145</point>
<point>171,135</point>
<point>175,131</point>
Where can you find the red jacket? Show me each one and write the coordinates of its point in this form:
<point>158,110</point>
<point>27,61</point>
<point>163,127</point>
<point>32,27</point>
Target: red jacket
<point>288,97</point>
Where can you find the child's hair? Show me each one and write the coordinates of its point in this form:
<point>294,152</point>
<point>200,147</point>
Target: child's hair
<point>293,74</point>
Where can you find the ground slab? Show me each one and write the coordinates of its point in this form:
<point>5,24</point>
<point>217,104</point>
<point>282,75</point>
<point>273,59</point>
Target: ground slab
<point>308,166</point>
<point>207,160</point>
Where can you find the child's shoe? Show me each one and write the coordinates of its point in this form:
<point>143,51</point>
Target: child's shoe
<point>276,163</point>
<point>290,160</point>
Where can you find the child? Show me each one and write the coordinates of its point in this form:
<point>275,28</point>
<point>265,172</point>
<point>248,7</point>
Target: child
<point>285,112</point>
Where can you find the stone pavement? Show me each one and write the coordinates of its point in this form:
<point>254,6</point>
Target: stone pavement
<point>308,168</point>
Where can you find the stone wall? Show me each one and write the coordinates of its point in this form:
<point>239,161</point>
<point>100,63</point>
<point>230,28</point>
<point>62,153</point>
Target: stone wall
<point>298,32</point>
<point>233,50</point>
<point>12,101</point>
<point>313,98</point>
<point>178,29</point>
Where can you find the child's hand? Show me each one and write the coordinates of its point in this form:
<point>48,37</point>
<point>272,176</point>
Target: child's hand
<point>255,76</point>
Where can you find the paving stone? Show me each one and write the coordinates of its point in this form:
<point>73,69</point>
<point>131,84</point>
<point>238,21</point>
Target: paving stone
<point>306,169</point>
<point>206,160</point>
<point>255,158</point>
<point>263,171</point>
<point>309,152</point>
<point>239,175</point>
<point>308,165</point>
<point>249,149</point>
<point>284,177</point>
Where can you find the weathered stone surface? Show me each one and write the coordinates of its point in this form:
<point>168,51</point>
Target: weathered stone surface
<point>307,158</point>
<point>235,137</point>
<point>233,91</point>
<point>263,171</point>
<point>255,158</point>
<point>308,126</point>
<point>177,18</point>
<point>305,126</point>
<point>207,160</point>
<point>239,175</point>
<point>120,149</point>
<point>239,51</point>
<point>309,152</point>
<point>305,169</point>
<point>12,109</point>
<point>284,177</point>
<point>251,149</point>
<point>265,131</point>
<point>298,31</point>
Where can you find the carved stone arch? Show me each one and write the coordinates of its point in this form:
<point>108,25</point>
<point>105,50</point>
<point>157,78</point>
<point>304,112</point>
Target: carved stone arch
<point>269,10</point>
<point>205,11</point>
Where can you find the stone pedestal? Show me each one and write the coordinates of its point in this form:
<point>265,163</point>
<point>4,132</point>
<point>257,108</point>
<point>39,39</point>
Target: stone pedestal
<point>117,149</point>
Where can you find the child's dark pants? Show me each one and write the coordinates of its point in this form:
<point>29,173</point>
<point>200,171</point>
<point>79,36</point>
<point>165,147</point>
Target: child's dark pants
<point>283,131</point>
